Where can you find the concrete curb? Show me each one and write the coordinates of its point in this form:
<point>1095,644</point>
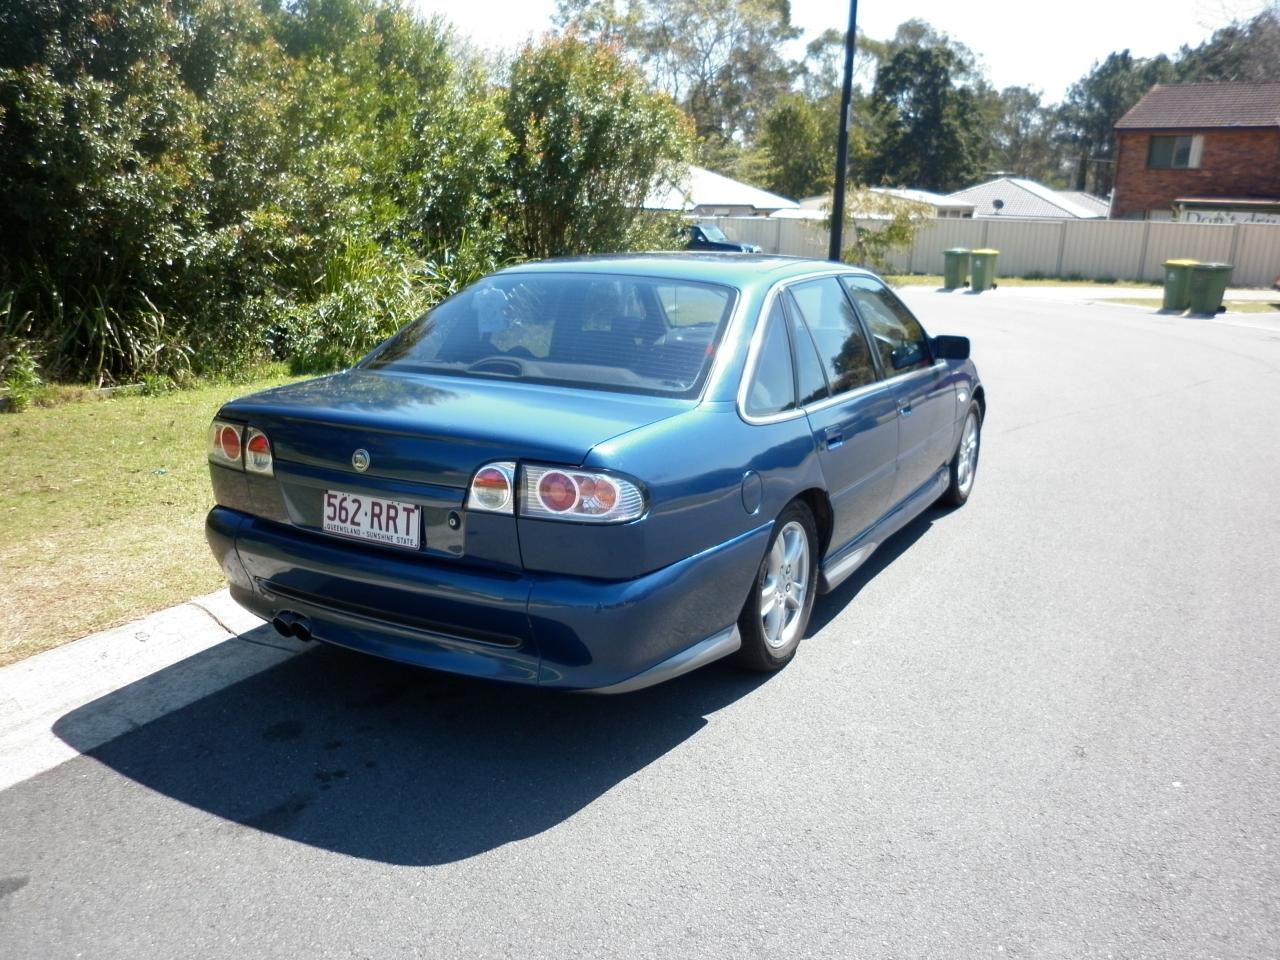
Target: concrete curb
<point>37,692</point>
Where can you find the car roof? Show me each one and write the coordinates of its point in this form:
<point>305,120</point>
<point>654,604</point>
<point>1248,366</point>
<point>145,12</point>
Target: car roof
<point>734,269</point>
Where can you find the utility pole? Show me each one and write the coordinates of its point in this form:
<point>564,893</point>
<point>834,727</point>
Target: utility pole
<point>842,140</point>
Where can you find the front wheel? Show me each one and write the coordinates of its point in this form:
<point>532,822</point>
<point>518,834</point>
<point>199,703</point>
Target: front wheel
<point>777,610</point>
<point>964,465</point>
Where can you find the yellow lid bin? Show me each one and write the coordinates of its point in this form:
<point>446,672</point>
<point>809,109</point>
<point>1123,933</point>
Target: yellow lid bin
<point>1177,284</point>
<point>982,265</point>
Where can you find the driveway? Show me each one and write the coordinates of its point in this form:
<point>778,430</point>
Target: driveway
<point>1045,725</point>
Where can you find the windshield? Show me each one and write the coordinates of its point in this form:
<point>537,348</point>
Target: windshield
<point>714,234</point>
<point>637,334</point>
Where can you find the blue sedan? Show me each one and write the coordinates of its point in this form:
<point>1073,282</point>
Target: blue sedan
<point>597,474</point>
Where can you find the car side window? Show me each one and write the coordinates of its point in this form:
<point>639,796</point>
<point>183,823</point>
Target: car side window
<point>898,336</point>
<point>773,387</point>
<point>837,335</point>
<point>810,380</point>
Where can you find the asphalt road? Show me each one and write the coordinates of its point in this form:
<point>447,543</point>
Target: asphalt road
<point>1045,725</point>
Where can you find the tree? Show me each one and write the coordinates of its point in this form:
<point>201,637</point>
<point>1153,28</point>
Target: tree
<point>927,106</point>
<point>588,142</point>
<point>1024,138</point>
<point>721,62</point>
<point>103,172</point>
<point>1246,51</point>
<point>1094,104</point>
<point>798,143</point>
<point>882,223</point>
<point>199,181</point>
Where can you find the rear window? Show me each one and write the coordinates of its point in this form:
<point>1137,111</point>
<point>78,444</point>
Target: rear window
<point>638,334</point>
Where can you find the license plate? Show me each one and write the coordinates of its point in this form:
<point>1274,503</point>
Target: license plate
<point>391,522</point>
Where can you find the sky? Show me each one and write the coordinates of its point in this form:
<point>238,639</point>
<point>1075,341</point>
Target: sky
<point>1038,45</point>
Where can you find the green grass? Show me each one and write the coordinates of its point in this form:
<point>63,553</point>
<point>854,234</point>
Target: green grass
<point>102,512</point>
<point>1233,306</point>
<point>935,280</point>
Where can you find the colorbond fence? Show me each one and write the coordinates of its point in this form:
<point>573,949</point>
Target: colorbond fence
<point>1091,249</point>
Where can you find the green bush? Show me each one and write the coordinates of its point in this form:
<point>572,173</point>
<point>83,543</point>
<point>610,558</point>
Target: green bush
<point>21,377</point>
<point>200,188</point>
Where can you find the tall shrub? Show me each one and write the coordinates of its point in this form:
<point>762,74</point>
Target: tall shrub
<point>589,140</point>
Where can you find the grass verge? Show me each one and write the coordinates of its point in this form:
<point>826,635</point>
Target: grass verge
<point>102,514</point>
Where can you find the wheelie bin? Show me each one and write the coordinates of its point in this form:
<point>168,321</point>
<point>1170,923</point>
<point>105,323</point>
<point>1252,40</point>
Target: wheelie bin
<point>1177,284</point>
<point>1208,284</point>
<point>955,268</point>
<point>982,264</point>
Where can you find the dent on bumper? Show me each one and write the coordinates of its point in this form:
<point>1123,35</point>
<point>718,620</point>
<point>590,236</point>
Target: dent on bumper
<point>566,632</point>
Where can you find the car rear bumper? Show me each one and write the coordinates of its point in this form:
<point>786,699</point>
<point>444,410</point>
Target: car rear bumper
<point>554,631</point>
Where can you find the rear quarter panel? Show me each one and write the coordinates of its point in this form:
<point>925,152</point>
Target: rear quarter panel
<point>693,467</point>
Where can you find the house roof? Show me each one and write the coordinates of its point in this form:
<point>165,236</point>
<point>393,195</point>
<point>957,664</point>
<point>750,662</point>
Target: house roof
<point>1027,199</point>
<point>1200,105</point>
<point>822,202</point>
<point>1100,206</point>
<point>703,188</point>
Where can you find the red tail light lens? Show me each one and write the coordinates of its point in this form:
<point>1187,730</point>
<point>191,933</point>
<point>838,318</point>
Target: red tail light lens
<point>557,492</point>
<point>584,496</point>
<point>229,438</point>
<point>257,452</point>
<point>224,444</point>
<point>492,488</point>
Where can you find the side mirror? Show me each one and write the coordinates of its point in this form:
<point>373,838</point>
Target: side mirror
<point>951,348</point>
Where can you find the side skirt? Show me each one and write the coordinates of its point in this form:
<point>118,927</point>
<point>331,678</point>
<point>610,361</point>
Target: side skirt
<point>839,566</point>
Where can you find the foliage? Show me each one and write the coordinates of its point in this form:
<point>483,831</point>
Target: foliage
<point>589,141</point>
<point>798,147</point>
<point>1025,138</point>
<point>21,377</point>
<point>201,184</point>
<point>880,222</point>
<point>720,61</point>
<point>1245,51</point>
<point>926,105</point>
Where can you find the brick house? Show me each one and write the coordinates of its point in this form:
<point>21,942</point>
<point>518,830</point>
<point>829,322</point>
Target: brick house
<point>1200,151</point>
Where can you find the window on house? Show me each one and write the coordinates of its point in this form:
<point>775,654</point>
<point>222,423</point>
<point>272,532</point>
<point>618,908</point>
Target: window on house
<point>1175,153</point>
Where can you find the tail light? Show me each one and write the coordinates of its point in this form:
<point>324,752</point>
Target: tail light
<point>556,493</point>
<point>225,446</point>
<point>257,452</point>
<point>585,496</point>
<point>493,488</point>
<point>242,448</point>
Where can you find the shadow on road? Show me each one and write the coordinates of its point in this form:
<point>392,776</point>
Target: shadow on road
<point>386,762</point>
<point>390,763</point>
<point>826,608</point>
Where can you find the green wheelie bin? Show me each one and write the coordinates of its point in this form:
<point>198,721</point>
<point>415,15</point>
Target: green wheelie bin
<point>1177,284</point>
<point>955,267</point>
<point>982,263</point>
<point>1208,284</point>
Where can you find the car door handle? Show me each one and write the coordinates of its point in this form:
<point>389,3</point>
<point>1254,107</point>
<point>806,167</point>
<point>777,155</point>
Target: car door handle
<point>905,409</point>
<point>833,437</point>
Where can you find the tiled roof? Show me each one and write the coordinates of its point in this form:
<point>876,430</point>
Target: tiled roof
<point>1200,105</point>
<point>1028,199</point>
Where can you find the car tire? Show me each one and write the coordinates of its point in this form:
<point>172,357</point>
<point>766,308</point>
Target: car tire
<point>777,610</point>
<point>964,464</point>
